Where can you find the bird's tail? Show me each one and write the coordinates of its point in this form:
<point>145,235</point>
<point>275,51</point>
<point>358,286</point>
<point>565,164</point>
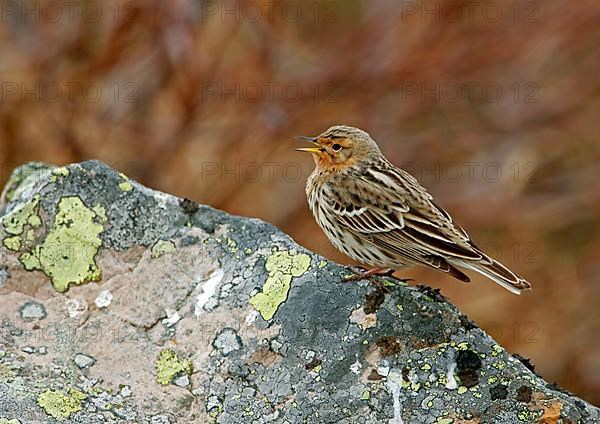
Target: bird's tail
<point>497,272</point>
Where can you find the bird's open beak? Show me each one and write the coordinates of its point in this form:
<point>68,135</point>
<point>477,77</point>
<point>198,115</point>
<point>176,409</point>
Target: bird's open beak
<point>312,140</point>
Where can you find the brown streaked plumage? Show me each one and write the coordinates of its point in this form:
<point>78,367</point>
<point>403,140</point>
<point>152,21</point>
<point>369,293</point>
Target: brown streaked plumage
<point>379,214</point>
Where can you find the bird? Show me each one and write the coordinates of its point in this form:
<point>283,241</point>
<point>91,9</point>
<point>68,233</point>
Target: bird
<point>380,216</point>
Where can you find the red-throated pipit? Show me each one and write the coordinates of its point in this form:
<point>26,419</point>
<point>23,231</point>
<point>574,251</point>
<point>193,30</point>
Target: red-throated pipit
<point>380,216</point>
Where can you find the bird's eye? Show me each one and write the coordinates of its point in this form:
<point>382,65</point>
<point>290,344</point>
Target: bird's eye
<point>336,147</point>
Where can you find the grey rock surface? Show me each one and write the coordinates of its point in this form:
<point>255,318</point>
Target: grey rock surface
<point>190,315</point>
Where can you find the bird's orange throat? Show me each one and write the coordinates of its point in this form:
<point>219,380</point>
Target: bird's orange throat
<point>325,163</point>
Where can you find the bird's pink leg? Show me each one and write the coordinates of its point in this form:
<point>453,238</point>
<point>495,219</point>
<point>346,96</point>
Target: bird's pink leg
<point>365,274</point>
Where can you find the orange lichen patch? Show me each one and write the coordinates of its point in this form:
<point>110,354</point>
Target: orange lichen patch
<point>551,413</point>
<point>456,420</point>
<point>265,357</point>
<point>551,408</point>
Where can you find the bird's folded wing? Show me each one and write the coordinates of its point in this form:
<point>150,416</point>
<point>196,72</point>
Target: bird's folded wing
<point>391,211</point>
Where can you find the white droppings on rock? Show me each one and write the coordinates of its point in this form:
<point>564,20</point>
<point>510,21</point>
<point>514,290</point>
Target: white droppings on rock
<point>76,307</point>
<point>209,288</point>
<point>172,318</point>
<point>32,311</point>
<point>182,381</point>
<point>384,369</point>
<point>251,317</point>
<point>103,299</point>
<point>451,381</point>
<point>394,385</point>
<point>356,367</point>
<point>84,361</point>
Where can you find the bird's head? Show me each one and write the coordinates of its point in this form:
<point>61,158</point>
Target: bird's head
<point>340,147</point>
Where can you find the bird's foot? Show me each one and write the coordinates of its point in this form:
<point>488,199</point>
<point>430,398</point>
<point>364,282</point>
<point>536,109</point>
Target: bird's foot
<point>366,274</point>
<point>362,273</point>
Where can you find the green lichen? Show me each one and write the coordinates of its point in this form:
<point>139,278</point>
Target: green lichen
<point>60,405</point>
<point>6,374</point>
<point>442,380</point>
<point>61,171</point>
<point>7,421</point>
<point>282,267</point>
<point>442,420</point>
<point>125,186</point>
<point>499,365</point>
<point>58,172</point>
<point>232,245</point>
<point>463,346</point>
<point>462,390</point>
<point>23,178</point>
<point>100,214</point>
<point>162,247</point>
<point>529,416</point>
<point>14,223</point>
<point>12,243</point>
<point>67,254</point>
<point>168,366</point>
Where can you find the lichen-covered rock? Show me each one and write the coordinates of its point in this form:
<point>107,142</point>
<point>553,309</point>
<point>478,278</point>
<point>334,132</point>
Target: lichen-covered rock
<point>119,303</point>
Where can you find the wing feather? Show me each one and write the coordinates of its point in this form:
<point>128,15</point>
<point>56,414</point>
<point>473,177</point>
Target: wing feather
<point>389,208</point>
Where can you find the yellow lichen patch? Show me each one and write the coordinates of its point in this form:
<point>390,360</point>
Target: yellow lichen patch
<point>67,254</point>
<point>61,171</point>
<point>12,243</point>
<point>125,185</point>
<point>14,223</point>
<point>6,373</point>
<point>168,366</point>
<point>60,405</point>
<point>529,416</point>
<point>58,172</point>
<point>162,247</point>
<point>282,267</point>
<point>7,421</point>
<point>462,346</point>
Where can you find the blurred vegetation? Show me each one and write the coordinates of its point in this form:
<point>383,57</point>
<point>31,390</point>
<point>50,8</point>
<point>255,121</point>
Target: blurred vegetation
<point>497,114</point>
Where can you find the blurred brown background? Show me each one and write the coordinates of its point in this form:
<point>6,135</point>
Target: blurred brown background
<point>493,106</point>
